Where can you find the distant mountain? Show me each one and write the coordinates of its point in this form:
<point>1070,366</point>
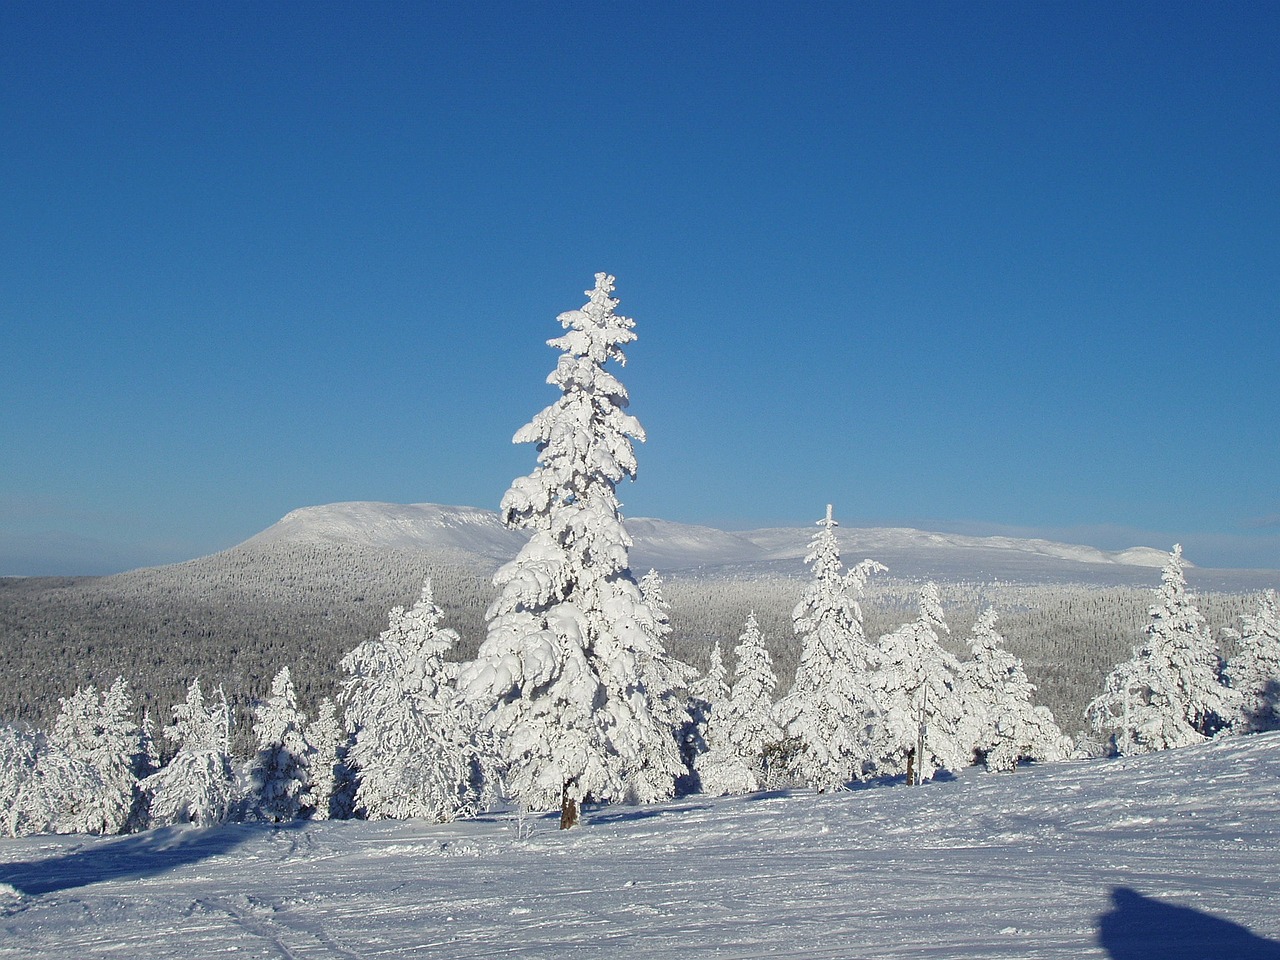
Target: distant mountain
<point>469,533</point>
<point>307,589</point>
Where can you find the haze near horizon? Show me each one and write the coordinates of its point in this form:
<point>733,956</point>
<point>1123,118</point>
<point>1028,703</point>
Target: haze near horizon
<point>942,266</point>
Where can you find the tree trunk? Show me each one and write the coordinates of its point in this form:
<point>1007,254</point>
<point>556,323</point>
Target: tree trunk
<point>568,809</point>
<point>911,765</point>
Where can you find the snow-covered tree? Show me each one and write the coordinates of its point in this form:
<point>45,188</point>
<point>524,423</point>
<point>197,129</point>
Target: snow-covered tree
<point>713,686</point>
<point>665,680</point>
<point>99,730</point>
<point>415,752</point>
<point>198,785</point>
<point>561,672</point>
<point>280,774</point>
<point>830,716</point>
<point>708,701</point>
<point>1254,670</point>
<point>915,683</point>
<point>1169,694</point>
<point>18,751</point>
<point>1004,725</point>
<point>330,785</point>
<point>743,725</point>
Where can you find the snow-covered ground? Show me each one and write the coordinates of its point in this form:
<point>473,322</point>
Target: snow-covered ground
<point>1171,856</point>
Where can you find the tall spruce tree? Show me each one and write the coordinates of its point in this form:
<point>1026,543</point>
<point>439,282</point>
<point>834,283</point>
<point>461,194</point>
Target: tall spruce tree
<point>744,726</point>
<point>1254,670</point>
<point>830,717</point>
<point>1004,725</point>
<point>280,774</point>
<point>1170,693</point>
<point>198,785</point>
<point>416,750</point>
<point>99,729</point>
<point>915,684</point>
<point>561,670</point>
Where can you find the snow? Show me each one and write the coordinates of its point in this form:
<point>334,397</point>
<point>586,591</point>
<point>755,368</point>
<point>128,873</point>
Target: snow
<point>1169,855</point>
<point>469,532</point>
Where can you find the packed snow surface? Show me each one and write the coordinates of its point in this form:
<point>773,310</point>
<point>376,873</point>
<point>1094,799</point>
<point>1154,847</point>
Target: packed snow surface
<point>1171,855</point>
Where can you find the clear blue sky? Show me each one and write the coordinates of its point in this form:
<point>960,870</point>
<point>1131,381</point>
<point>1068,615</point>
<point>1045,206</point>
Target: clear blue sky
<point>988,267</point>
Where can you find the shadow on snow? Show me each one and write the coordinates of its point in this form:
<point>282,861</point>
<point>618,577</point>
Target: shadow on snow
<point>130,857</point>
<point>1140,928</point>
<point>614,814</point>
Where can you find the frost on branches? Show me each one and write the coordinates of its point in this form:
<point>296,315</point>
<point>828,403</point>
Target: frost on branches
<point>1005,727</point>
<point>1169,693</point>
<point>562,670</point>
<point>915,683</point>
<point>332,793</point>
<point>280,776</point>
<point>708,700</point>
<point>743,726</point>
<point>416,753</point>
<point>82,778</point>
<point>665,679</point>
<point>830,717</point>
<point>198,785</point>
<point>1254,671</point>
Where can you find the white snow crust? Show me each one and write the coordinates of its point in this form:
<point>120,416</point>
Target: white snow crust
<point>1162,855</point>
<point>479,535</point>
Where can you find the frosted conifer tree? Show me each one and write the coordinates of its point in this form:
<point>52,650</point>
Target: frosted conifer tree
<point>1169,694</point>
<point>1254,670</point>
<point>713,686</point>
<point>326,740</point>
<point>664,679</point>
<point>415,752</point>
<point>916,686</point>
<point>1005,726</point>
<point>280,775</point>
<point>198,785</point>
<point>744,726</point>
<point>99,730</point>
<point>17,766</point>
<point>830,715</point>
<point>708,700</point>
<point>561,670</point>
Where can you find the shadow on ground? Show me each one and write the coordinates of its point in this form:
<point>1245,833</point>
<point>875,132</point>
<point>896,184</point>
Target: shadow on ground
<point>1140,928</point>
<point>129,858</point>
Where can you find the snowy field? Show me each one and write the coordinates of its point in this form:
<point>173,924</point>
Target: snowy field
<point>1169,856</point>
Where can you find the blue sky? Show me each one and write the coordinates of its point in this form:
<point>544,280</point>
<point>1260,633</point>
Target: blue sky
<point>994,268</point>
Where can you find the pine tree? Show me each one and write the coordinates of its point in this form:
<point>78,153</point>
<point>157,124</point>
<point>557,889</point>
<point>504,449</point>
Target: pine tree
<point>1254,671</point>
<point>280,775</point>
<point>100,731</point>
<point>415,752</point>
<point>198,785</point>
<point>326,740</point>
<point>18,751</point>
<point>713,686</point>
<point>708,702</point>
<point>561,670</point>
<point>830,715</point>
<point>744,727</point>
<point>1004,725</point>
<point>1169,694</point>
<point>664,679</point>
<point>915,683</point>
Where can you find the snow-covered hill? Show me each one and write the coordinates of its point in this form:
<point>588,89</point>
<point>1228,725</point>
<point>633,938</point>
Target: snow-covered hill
<point>468,532</point>
<point>1169,856</point>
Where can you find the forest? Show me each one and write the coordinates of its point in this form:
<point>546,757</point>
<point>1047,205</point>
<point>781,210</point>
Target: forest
<point>579,681</point>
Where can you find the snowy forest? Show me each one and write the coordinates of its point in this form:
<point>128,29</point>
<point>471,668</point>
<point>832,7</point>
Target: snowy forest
<point>582,687</point>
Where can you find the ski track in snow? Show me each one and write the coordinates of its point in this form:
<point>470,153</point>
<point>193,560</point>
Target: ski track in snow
<point>1016,865</point>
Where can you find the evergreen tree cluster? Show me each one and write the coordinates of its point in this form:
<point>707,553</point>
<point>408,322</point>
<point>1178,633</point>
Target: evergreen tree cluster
<point>574,695</point>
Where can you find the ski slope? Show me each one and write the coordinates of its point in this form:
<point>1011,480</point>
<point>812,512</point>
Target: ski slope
<point>1171,856</point>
